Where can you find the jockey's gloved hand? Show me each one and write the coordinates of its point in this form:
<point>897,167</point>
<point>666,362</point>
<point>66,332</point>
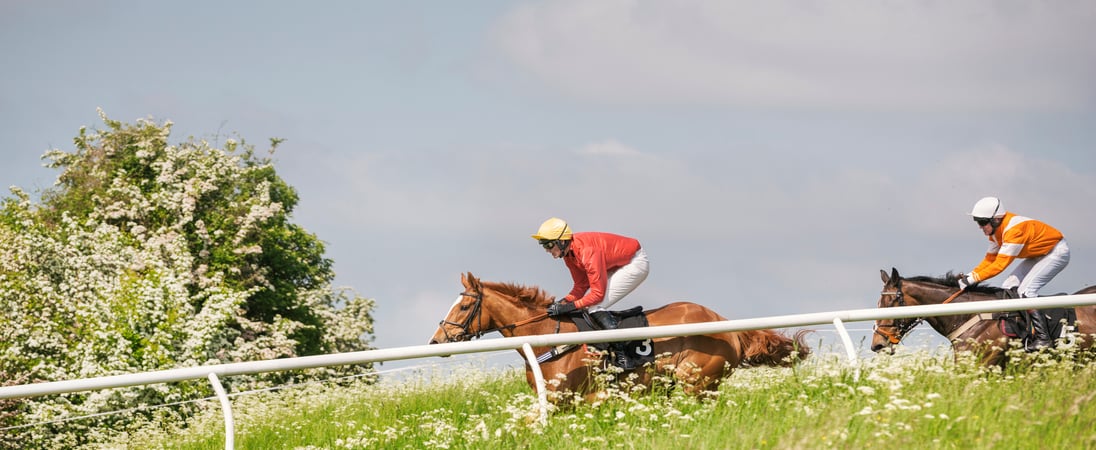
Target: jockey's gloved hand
<point>560,308</point>
<point>965,280</point>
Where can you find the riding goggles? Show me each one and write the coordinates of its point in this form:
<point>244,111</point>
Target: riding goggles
<point>982,221</point>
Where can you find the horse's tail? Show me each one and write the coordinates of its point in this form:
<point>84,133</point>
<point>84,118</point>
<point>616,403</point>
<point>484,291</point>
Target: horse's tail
<point>772,348</point>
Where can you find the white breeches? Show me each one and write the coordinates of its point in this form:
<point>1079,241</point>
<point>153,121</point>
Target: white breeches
<point>1032,274</point>
<point>623,281</point>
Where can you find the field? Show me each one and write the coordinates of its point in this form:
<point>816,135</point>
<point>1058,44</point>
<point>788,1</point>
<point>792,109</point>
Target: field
<point>912,400</point>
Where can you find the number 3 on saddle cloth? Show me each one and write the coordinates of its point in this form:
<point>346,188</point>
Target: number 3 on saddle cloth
<point>1060,324</point>
<point>641,351</point>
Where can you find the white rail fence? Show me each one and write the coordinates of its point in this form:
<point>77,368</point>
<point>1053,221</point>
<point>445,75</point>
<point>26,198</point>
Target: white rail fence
<point>837,318</point>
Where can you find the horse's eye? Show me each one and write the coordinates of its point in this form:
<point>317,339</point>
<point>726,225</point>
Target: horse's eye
<point>465,307</point>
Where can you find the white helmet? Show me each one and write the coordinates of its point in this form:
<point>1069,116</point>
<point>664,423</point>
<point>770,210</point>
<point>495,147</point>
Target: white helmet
<point>988,208</point>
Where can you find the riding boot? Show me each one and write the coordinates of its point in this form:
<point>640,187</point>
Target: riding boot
<point>608,321</point>
<point>1040,332</point>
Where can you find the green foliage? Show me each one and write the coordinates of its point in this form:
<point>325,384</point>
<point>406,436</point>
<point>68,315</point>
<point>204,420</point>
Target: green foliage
<point>147,255</point>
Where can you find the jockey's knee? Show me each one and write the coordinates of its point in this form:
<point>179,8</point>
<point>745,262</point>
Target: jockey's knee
<point>1028,293</point>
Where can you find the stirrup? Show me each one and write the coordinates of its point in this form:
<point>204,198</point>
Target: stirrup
<point>623,361</point>
<point>1036,345</point>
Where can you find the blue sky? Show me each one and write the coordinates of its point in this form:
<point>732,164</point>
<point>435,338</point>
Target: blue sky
<point>771,156</point>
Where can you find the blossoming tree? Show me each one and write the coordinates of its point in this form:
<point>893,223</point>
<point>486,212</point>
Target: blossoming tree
<point>147,255</point>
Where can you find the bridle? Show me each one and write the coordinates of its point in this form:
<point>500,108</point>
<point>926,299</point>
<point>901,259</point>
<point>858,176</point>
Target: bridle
<point>900,329</point>
<point>895,337</point>
<point>474,315</point>
<point>477,316</point>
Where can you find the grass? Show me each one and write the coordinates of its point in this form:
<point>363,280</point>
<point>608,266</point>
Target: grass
<point>912,400</point>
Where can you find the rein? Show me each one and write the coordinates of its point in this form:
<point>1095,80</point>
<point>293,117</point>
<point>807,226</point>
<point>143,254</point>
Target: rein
<point>953,296</point>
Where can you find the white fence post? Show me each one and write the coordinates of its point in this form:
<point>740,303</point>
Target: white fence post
<point>542,394</point>
<point>230,427</point>
<point>847,342</point>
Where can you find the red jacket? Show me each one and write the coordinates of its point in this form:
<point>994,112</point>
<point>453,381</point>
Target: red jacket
<point>1017,237</point>
<point>591,258</point>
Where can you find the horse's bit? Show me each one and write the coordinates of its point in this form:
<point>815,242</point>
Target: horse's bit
<point>901,330</point>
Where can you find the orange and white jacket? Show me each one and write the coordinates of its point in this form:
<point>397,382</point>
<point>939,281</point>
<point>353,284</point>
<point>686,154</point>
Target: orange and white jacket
<point>1016,237</point>
<point>592,257</point>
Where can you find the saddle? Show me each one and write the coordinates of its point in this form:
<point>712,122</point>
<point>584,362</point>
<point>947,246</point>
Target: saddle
<point>1017,324</point>
<point>641,351</point>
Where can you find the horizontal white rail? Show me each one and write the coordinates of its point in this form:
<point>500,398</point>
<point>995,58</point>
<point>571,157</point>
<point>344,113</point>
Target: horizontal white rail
<point>421,351</point>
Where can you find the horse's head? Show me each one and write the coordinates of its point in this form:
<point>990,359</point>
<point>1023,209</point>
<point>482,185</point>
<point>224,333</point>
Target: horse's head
<point>889,332</point>
<point>485,307</point>
<point>465,319</point>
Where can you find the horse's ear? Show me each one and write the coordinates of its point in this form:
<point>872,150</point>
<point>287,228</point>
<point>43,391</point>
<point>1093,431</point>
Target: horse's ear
<point>470,281</point>
<point>883,276</point>
<point>894,274</point>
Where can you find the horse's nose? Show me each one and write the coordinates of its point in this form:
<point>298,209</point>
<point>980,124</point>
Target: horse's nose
<point>880,347</point>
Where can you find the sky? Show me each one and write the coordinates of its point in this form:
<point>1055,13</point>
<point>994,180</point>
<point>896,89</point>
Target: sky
<point>771,157</point>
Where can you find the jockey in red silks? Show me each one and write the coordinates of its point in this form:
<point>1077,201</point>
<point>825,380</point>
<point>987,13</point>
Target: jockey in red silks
<point>605,267</point>
<point>1041,249</point>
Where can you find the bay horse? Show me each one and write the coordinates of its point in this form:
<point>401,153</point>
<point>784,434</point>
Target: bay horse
<point>977,333</point>
<point>698,363</point>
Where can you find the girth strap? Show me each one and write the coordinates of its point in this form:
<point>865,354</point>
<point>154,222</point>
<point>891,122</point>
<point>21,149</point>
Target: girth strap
<point>555,351</point>
<point>968,325</point>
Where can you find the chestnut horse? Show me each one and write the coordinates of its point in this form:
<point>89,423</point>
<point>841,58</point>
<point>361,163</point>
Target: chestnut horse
<point>977,333</point>
<point>699,363</point>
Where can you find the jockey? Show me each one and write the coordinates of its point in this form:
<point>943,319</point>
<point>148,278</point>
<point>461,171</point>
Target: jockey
<point>605,267</point>
<point>1040,247</point>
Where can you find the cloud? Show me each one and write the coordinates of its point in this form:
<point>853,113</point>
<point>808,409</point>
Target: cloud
<point>1027,185</point>
<point>609,147</point>
<point>860,55</point>
<point>613,185</point>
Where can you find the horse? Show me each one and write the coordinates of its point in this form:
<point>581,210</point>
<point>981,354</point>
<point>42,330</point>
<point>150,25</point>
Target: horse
<point>698,363</point>
<point>979,334</point>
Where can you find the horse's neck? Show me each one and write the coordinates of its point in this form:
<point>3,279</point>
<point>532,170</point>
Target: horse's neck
<point>926,293</point>
<point>934,295</point>
<point>545,325</point>
<point>511,315</point>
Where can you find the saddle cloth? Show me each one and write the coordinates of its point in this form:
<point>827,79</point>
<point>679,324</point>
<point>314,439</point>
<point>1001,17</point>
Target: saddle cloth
<point>641,351</point>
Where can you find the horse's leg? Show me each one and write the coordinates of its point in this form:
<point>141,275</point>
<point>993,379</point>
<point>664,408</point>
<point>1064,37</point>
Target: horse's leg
<point>989,352</point>
<point>569,374</point>
<point>697,363</point>
<point>695,372</point>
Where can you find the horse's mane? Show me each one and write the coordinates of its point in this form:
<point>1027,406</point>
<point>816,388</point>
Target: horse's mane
<point>952,280</point>
<point>526,294</point>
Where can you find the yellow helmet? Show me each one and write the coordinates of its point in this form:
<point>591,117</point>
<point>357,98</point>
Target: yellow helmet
<point>553,229</point>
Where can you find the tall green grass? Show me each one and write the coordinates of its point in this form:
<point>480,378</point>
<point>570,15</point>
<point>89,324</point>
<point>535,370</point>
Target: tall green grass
<point>913,400</point>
